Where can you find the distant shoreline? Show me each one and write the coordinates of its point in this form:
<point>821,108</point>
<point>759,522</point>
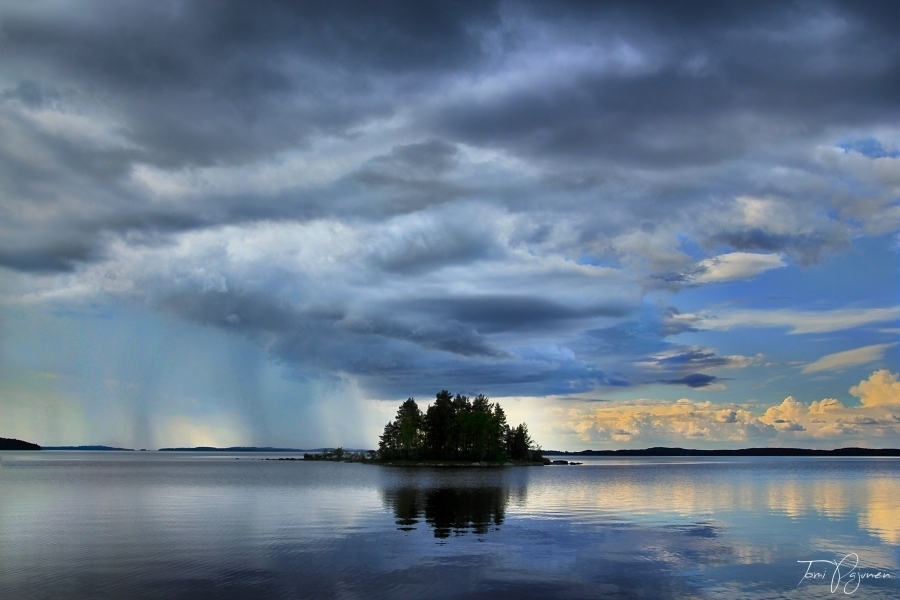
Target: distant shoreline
<point>454,463</point>
<point>89,448</point>
<point>252,449</point>
<point>15,444</point>
<point>662,451</point>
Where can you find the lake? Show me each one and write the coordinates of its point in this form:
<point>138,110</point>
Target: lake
<point>197,525</point>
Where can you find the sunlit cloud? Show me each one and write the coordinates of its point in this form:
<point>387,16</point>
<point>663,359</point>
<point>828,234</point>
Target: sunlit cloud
<point>848,358</point>
<point>735,266</point>
<point>791,422</point>
<point>798,321</point>
<point>881,389</point>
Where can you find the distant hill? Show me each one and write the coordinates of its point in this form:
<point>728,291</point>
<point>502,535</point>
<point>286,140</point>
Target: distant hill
<point>11,444</point>
<point>659,451</point>
<point>88,448</point>
<point>252,449</point>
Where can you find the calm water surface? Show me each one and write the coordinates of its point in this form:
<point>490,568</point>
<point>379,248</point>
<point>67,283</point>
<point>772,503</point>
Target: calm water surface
<point>189,525</point>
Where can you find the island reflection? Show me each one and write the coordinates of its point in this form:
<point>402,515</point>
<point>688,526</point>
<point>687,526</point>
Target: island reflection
<point>449,510</point>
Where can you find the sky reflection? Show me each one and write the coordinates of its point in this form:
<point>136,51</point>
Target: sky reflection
<point>160,526</point>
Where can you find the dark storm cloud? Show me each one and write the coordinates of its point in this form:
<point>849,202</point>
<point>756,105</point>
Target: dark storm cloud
<point>426,254</point>
<point>230,83</point>
<point>511,131</point>
<point>392,357</point>
<point>491,314</point>
<point>205,84</point>
<point>695,380</point>
<point>410,162</point>
<point>810,65</point>
<point>318,336</point>
<point>807,247</point>
<point>201,83</point>
<point>305,331</point>
<point>252,312</point>
<point>693,358</point>
<point>59,257</point>
<point>409,178</point>
<point>645,354</point>
<point>31,94</point>
<point>450,336</point>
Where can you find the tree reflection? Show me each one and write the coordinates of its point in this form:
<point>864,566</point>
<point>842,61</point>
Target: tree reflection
<point>449,510</point>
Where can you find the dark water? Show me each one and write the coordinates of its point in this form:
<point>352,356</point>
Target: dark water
<point>160,525</point>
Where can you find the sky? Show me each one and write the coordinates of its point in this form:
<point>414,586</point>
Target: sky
<point>632,224</point>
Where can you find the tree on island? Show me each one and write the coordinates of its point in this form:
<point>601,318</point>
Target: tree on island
<point>456,428</point>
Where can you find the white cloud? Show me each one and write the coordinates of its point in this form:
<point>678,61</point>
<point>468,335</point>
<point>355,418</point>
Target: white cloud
<point>644,423</point>
<point>880,389</point>
<point>848,358</point>
<point>656,422</point>
<point>735,266</point>
<point>799,321</point>
<point>785,416</point>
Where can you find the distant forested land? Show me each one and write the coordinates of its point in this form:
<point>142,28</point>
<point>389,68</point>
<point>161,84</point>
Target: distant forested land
<point>258,449</point>
<point>456,429</point>
<point>90,448</point>
<point>231,449</point>
<point>659,451</point>
<point>11,444</point>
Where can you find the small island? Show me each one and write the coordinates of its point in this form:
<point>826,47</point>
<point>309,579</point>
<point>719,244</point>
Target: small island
<point>456,431</point>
